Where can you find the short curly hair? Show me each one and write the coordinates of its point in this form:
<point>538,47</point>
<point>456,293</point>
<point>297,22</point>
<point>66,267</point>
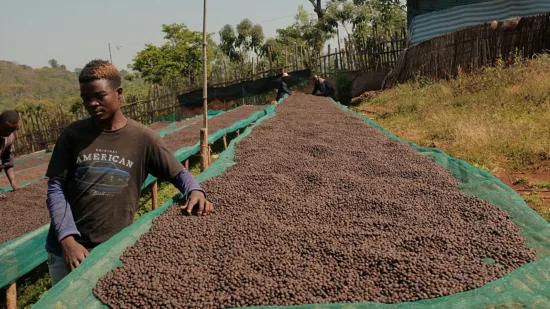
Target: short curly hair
<point>100,69</point>
<point>9,116</point>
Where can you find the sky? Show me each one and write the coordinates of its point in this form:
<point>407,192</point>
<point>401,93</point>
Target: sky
<point>75,31</point>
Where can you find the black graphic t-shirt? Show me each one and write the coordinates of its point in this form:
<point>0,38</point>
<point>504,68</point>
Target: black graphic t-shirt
<point>103,172</point>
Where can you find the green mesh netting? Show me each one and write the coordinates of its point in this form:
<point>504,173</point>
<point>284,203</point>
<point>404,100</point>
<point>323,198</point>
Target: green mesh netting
<point>526,287</point>
<point>20,255</point>
<point>17,161</point>
<point>186,152</point>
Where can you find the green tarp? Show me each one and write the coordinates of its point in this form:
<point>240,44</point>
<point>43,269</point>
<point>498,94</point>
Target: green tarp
<point>526,287</point>
<point>20,255</point>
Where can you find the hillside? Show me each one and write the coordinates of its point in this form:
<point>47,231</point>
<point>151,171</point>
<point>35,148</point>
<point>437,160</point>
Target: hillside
<point>20,83</point>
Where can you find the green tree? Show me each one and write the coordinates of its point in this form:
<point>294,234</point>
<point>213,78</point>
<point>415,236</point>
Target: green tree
<point>179,58</point>
<point>53,63</point>
<point>360,15</point>
<point>237,45</point>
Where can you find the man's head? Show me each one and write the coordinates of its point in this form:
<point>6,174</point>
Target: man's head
<point>315,77</point>
<point>100,89</point>
<point>9,121</point>
<point>286,76</point>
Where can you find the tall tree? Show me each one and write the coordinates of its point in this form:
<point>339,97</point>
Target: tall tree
<point>248,37</point>
<point>304,32</point>
<point>318,8</point>
<point>179,58</point>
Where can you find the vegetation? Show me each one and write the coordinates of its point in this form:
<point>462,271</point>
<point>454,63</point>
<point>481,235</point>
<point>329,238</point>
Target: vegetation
<point>21,84</point>
<point>497,117</point>
<point>181,56</point>
<point>535,201</point>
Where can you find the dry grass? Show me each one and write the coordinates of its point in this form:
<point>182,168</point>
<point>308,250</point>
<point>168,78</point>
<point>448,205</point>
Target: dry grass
<point>498,117</point>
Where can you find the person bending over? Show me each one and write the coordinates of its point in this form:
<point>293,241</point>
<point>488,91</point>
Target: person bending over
<point>322,86</point>
<point>283,87</point>
<point>9,122</point>
<point>97,169</point>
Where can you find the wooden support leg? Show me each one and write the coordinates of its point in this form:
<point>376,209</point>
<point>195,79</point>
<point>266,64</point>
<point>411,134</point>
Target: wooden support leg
<point>205,153</point>
<point>238,132</point>
<point>187,164</point>
<point>11,296</point>
<point>224,142</point>
<point>155,195</point>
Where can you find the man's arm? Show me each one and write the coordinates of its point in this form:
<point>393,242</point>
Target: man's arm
<point>163,165</point>
<point>186,183</point>
<point>11,177</point>
<point>315,89</point>
<point>64,226</point>
<point>8,163</point>
<point>286,90</point>
<point>60,210</point>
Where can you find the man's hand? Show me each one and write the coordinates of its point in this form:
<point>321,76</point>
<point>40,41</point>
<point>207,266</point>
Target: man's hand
<point>197,198</point>
<point>73,252</point>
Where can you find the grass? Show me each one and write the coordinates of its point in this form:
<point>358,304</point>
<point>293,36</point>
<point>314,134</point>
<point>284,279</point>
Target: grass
<point>497,117</point>
<point>540,185</point>
<point>535,201</point>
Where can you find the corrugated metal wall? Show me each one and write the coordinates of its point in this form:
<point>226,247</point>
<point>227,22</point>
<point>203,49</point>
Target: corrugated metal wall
<point>418,7</point>
<point>430,25</point>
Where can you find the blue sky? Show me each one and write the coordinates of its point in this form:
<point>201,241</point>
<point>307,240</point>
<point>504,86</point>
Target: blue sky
<point>74,32</point>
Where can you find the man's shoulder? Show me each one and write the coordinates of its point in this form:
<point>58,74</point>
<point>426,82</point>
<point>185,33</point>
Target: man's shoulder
<point>142,130</point>
<point>78,127</point>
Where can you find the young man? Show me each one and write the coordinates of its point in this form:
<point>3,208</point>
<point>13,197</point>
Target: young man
<point>97,169</point>
<point>9,121</point>
<point>323,86</point>
<point>283,87</point>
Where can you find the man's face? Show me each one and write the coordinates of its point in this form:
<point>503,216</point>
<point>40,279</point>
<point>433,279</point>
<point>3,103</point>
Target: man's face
<point>6,128</point>
<point>100,99</point>
<point>315,78</point>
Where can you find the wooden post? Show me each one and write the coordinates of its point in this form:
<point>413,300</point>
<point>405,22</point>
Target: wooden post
<point>11,296</point>
<point>286,60</point>
<point>238,132</point>
<point>155,194</point>
<point>224,138</point>
<point>205,155</point>
<point>295,56</point>
<point>328,60</point>
<point>339,48</point>
<point>270,59</point>
<point>253,69</point>
<point>225,77</point>
<point>186,164</point>
<point>336,59</point>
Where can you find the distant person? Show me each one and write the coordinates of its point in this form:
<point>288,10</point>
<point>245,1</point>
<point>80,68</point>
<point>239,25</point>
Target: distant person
<point>97,169</point>
<point>322,86</point>
<point>283,87</point>
<point>9,122</point>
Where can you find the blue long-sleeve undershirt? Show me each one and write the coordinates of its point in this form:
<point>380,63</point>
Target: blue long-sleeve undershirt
<point>60,209</point>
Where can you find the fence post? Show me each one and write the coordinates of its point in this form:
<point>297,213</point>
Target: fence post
<point>328,61</point>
